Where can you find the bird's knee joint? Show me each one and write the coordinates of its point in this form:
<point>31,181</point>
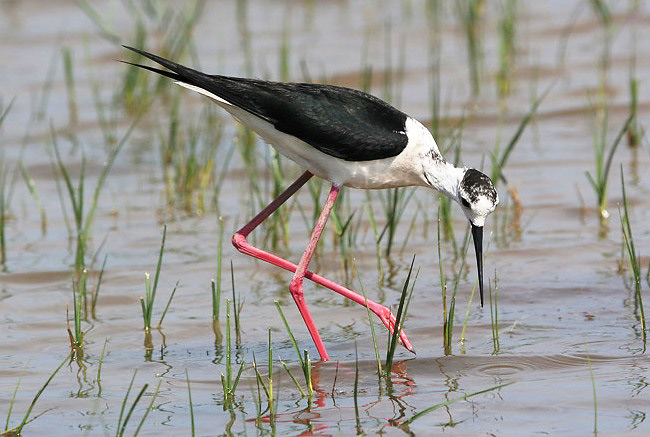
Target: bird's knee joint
<point>296,289</point>
<point>239,241</point>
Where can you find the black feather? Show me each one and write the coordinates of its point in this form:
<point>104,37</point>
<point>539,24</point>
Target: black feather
<point>341,122</point>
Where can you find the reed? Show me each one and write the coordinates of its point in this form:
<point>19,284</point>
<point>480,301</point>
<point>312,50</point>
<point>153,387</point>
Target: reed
<point>634,261</point>
<point>147,302</point>
<point>402,309</point>
<point>604,157</point>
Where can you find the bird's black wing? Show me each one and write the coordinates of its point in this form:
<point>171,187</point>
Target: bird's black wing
<point>341,122</point>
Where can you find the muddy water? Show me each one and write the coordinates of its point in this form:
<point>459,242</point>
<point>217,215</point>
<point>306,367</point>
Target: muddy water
<point>563,305</point>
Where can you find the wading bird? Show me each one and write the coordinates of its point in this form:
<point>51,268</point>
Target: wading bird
<point>348,138</point>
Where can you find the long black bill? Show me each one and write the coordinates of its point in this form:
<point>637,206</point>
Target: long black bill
<point>477,234</point>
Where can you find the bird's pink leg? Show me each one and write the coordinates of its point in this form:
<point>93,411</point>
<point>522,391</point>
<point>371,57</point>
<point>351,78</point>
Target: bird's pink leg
<point>240,243</point>
<point>296,283</point>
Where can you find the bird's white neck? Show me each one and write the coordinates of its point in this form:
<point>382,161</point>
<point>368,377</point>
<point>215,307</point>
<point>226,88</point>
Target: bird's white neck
<point>443,177</point>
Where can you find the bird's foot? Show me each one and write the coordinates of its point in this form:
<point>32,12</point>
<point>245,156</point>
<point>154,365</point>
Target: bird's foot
<point>388,319</point>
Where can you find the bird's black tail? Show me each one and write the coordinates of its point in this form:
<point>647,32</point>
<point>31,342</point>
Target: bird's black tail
<point>178,72</point>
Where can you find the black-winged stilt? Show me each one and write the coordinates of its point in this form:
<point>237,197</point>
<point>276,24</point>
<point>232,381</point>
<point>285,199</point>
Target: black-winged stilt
<point>349,138</point>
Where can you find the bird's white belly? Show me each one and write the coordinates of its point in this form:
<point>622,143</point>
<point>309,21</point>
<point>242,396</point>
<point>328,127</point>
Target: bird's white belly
<point>379,173</point>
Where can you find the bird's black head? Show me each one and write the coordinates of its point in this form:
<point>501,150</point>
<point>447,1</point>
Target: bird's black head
<point>478,198</point>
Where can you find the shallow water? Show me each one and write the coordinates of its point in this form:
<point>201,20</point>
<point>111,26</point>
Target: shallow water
<point>563,305</point>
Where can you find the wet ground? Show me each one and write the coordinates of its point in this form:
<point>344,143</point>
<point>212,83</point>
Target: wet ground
<point>565,305</point>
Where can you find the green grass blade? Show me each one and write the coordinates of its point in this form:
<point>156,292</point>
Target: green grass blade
<point>157,275</point>
<point>39,393</point>
<point>126,397</point>
<point>451,401</point>
<point>169,302</point>
<point>149,408</point>
<point>128,415</point>
<point>398,322</point>
<point>13,398</point>
<point>291,337</point>
<point>293,378</point>
<point>372,328</point>
<point>95,295</point>
<point>189,394</point>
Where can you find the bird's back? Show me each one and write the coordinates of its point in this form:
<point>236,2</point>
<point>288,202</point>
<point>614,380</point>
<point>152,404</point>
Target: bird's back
<point>341,122</point>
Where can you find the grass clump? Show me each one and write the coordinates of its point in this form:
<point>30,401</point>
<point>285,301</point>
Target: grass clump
<point>76,336</point>
<point>449,312</point>
<point>147,302</point>
<point>83,218</point>
<point>267,385</point>
<point>227,382</point>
